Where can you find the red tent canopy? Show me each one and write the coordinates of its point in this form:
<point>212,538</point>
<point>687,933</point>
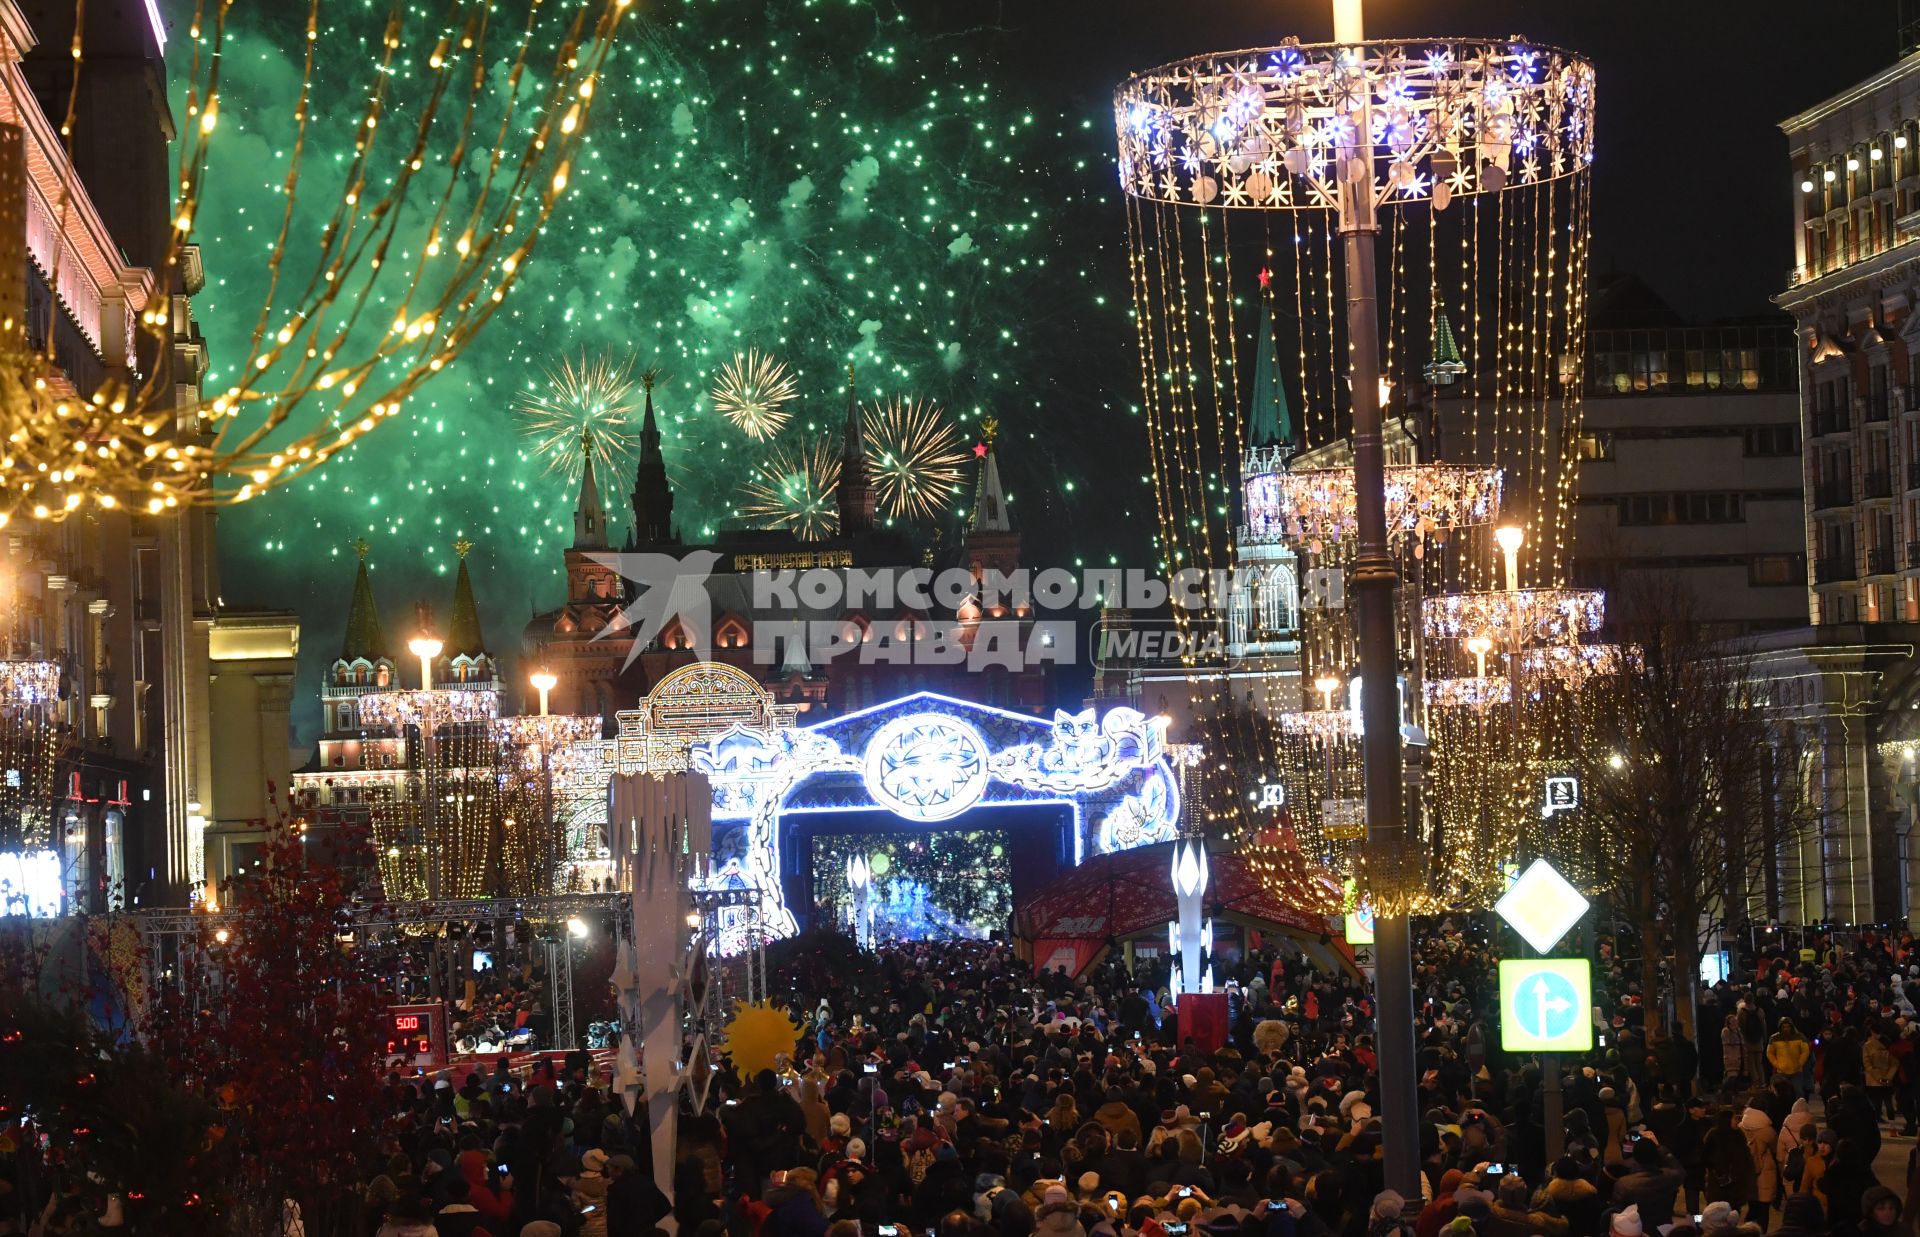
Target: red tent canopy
<point>1114,896</point>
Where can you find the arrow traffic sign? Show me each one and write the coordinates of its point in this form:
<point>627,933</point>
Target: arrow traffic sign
<point>1544,1004</point>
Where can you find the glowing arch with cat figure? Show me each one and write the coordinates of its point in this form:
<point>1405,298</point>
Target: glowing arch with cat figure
<point>935,763</point>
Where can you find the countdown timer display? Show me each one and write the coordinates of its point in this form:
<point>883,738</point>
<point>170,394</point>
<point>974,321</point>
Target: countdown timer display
<point>418,1033</point>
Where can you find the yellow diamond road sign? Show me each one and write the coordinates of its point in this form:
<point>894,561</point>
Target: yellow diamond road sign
<point>1541,906</point>
<point>1545,1004</point>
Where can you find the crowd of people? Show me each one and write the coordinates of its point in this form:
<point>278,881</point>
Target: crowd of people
<point>942,1089</point>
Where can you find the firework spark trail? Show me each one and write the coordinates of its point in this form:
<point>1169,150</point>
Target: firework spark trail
<point>795,489</point>
<point>580,402</point>
<point>752,391</point>
<point>915,457</point>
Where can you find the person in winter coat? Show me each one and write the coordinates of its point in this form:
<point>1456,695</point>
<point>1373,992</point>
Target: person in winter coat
<point>1761,1141</point>
<point>1384,1218</point>
<point>1058,1215</point>
<point>1848,1178</point>
<point>381,1192</point>
<point>490,1191</point>
<point>1613,1148</point>
<point>1442,1207</point>
<point>1513,1214</point>
<point>1116,1115</point>
<point>1800,1216</point>
<point>1842,1065</point>
<point>1655,1179</point>
<point>635,1205</point>
<point>406,1217</point>
<point>944,1187</point>
<point>1753,1030</point>
<point>1881,1071</point>
<point>1879,1215</point>
<point>1727,1163</point>
<point>1797,1132</point>
<point>1573,1196</point>
<point>1851,1115</point>
<point>813,1110</point>
<point>794,1208</point>
<point>1789,1052</point>
<point>1721,1219</point>
<point>1733,1049</point>
<point>458,1218</point>
<point>590,1191</point>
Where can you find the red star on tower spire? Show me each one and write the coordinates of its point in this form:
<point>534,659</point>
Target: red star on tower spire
<point>1266,278</point>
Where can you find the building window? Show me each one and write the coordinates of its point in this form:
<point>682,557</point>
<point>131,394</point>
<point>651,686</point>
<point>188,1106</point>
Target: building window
<point>1694,508</point>
<point>1777,569</point>
<point>1772,440</point>
<point>1595,445</point>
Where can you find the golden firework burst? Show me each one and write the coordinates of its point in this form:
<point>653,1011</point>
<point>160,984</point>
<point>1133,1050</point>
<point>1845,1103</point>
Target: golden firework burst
<point>915,456</point>
<point>795,489</point>
<point>752,391</point>
<point>582,406</point>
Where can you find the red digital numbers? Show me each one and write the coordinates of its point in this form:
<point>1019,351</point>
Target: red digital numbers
<point>412,1034</point>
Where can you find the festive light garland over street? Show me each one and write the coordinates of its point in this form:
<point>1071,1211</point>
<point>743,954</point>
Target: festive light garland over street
<point>348,325</point>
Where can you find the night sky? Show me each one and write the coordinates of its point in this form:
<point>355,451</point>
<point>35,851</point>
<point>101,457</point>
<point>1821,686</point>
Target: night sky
<point>1691,190</point>
<point>925,190</point>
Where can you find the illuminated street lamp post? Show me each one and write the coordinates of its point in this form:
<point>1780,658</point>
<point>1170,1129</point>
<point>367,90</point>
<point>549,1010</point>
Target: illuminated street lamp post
<point>426,648</point>
<point>1375,579</point>
<point>1511,537</point>
<point>543,682</point>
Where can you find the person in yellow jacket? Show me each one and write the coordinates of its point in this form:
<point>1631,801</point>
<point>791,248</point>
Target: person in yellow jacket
<point>1789,1053</point>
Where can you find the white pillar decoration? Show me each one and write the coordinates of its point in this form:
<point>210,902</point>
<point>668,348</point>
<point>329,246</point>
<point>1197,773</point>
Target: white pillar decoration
<point>1191,935</point>
<point>660,823</point>
<point>860,884</point>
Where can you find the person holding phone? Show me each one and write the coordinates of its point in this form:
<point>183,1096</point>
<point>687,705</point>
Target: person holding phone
<point>590,1190</point>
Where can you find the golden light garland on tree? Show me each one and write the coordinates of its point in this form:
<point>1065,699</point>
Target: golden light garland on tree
<point>481,162</point>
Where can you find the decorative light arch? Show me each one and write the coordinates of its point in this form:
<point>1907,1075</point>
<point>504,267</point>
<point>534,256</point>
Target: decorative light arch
<point>929,758</point>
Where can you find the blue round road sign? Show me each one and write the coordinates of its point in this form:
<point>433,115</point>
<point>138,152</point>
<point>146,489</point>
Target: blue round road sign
<point>1548,1005</point>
